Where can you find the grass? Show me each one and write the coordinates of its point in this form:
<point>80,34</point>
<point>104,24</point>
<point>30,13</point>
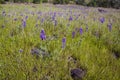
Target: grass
<point>94,50</point>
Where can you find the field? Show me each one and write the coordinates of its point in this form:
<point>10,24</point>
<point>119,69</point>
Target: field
<point>48,42</point>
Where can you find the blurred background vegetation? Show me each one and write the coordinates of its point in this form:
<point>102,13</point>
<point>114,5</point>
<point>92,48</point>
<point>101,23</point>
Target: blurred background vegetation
<point>94,3</point>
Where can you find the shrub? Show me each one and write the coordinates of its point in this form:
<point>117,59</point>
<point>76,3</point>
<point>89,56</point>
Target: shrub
<point>37,1</point>
<point>2,2</point>
<point>60,1</point>
<point>44,1</point>
<point>79,1</point>
<point>105,3</point>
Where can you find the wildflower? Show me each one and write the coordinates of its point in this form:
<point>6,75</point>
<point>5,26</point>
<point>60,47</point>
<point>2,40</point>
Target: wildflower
<point>102,19</point>
<point>15,19</point>
<point>24,23</point>
<point>42,35</point>
<point>70,18</point>
<point>81,31</point>
<point>42,20</point>
<point>26,17</point>
<point>53,17</point>
<point>63,42</point>
<point>109,26</point>
<point>73,34</point>
<point>20,50</point>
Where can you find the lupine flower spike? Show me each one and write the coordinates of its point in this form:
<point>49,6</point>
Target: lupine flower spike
<point>42,34</point>
<point>63,42</point>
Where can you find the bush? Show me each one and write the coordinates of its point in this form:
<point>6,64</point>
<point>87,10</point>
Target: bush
<point>100,3</point>
<point>44,1</point>
<point>2,2</point>
<point>37,1</point>
<point>60,1</point>
<point>115,4</point>
<point>56,1</point>
<point>79,2</point>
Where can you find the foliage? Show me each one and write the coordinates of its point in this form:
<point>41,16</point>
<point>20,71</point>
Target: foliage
<point>2,2</point>
<point>60,1</point>
<point>44,1</point>
<point>95,3</point>
<point>105,3</point>
<point>37,1</point>
<point>80,2</point>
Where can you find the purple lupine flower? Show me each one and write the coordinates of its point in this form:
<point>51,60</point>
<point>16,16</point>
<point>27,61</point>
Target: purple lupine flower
<point>110,26</point>
<point>102,19</point>
<point>54,13</point>
<point>70,18</point>
<point>63,42</point>
<point>42,20</point>
<point>26,17</point>
<point>15,19</point>
<point>24,23</point>
<point>42,34</point>
<point>20,50</point>
<point>53,17</point>
<point>81,31</point>
<point>73,34</point>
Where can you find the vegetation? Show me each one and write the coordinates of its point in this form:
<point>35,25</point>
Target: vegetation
<point>105,3</point>
<point>95,3</point>
<point>61,1</point>
<point>48,42</point>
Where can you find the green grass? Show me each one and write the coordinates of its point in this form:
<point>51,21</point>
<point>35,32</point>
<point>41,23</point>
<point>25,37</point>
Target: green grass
<point>94,54</point>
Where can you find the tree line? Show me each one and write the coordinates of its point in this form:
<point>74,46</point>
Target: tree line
<point>96,3</point>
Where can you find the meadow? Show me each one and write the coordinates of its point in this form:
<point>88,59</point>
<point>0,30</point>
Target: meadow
<point>47,42</point>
